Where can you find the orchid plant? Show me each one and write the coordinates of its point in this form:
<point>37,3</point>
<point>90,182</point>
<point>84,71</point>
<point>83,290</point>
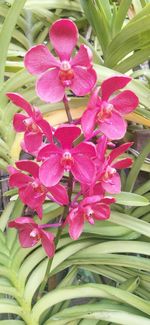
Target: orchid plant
<point>79,154</point>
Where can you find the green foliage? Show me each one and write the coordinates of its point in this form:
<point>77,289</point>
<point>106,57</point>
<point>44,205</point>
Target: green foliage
<point>114,252</point>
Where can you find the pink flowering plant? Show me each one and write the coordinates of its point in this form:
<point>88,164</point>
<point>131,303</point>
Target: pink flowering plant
<point>76,155</point>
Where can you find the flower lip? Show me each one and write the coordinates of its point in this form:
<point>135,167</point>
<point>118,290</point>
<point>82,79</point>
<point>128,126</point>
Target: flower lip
<point>67,160</point>
<point>35,234</point>
<point>105,111</point>
<point>66,74</point>
<point>30,125</point>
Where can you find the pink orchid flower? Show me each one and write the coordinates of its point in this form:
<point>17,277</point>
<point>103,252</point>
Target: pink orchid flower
<point>107,113</point>
<point>32,124</point>
<point>63,157</point>
<point>31,191</point>
<point>31,233</point>
<point>55,75</point>
<point>89,209</point>
<point>107,176</point>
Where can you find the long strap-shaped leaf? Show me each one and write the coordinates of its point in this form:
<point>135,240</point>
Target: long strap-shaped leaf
<point>6,34</point>
<point>136,168</point>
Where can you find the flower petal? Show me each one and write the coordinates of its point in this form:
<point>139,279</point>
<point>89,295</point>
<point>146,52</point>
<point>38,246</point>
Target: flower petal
<point>46,128</point>
<point>125,102</point>
<point>51,171</point>
<point>119,151</point>
<point>83,57</point>
<point>83,169</point>
<point>18,122</point>
<point>32,141</point>
<point>19,223</point>
<point>59,193</point>
<point>19,180</point>
<point>110,85</point>
<point>85,148</point>
<point>76,224</point>
<point>84,80</point>
<point>47,150</point>
<point>115,127</point>
<point>90,200</point>
<point>113,185</point>
<point>38,59</point>
<point>25,239</point>
<point>29,166</point>
<point>47,240</point>
<point>101,147</point>
<point>123,163</point>
<point>88,122</point>
<point>49,87</point>
<point>18,100</point>
<point>66,134</point>
<point>101,211</point>
<point>63,36</point>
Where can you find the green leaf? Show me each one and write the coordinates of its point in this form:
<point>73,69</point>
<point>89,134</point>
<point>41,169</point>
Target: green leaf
<point>133,36</point>
<point>121,15</point>
<point>131,179</point>
<point>131,199</point>
<point>6,34</point>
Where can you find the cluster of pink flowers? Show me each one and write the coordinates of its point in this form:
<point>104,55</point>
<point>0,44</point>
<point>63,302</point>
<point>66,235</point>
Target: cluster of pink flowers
<point>75,152</point>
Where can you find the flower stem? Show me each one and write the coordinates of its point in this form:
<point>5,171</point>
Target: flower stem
<point>67,108</point>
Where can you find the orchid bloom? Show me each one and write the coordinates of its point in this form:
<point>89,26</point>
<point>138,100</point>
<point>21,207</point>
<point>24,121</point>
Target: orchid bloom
<point>107,176</point>
<point>31,191</point>
<point>57,74</point>
<point>107,113</point>
<point>89,209</point>
<point>31,233</point>
<point>63,157</point>
<point>32,124</point>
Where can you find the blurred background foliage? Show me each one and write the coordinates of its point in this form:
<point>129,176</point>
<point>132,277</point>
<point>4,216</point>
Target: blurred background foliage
<point>109,265</point>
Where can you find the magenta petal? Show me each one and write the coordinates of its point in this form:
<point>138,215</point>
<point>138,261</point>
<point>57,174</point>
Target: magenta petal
<point>112,84</point>
<point>123,163</point>
<point>119,151</point>
<point>101,211</point>
<point>47,150</point>
<point>63,36</point>
<point>66,134</point>
<point>32,141</point>
<point>94,100</point>
<point>101,147</point>
<point>21,222</point>
<point>83,57</point>
<point>25,239</point>
<point>114,127</point>
<point>39,211</point>
<point>90,200</point>
<point>19,180</point>
<point>49,87</point>
<point>47,240</point>
<point>113,185</point>
<point>84,80</point>
<point>76,223</point>
<point>83,169</point>
<point>18,122</point>
<point>88,122</point>
<point>51,171</point>
<point>98,190</point>
<point>29,166</point>
<point>18,100</point>
<point>27,196</point>
<point>59,194</point>
<point>125,102</point>
<point>85,148</point>
<point>46,129</point>
<point>38,59</point>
